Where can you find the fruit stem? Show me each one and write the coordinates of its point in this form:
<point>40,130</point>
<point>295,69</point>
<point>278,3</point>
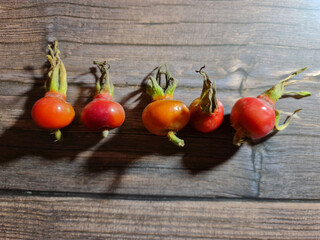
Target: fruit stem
<point>277,91</point>
<point>154,89</point>
<point>58,135</point>
<point>239,137</point>
<point>208,99</point>
<point>104,84</point>
<point>173,138</point>
<point>105,133</point>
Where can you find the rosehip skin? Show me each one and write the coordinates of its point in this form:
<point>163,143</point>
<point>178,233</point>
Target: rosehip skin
<point>165,115</point>
<point>205,122</point>
<point>255,116</point>
<point>102,113</point>
<point>52,111</point>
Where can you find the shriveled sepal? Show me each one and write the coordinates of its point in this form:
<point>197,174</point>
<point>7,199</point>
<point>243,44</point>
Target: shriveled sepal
<point>57,72</point>
<point>281,127</point>
<point>104,84</point>
<point>296,95</point>
<point>208,100</point>
<point>277,91</point>
<point>154,89</point>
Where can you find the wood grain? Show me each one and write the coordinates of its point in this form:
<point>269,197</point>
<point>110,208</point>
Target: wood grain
<point>83,218</point>
<point>247,46</point>
<point>134,185</point>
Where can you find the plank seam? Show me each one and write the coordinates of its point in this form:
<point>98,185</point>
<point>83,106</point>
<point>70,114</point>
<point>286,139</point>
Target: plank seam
<point>136,197</point>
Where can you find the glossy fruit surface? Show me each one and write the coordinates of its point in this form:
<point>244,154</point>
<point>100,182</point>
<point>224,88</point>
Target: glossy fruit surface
<point>52,111</point>
<point>254,116</point>
<point>162,116</point>
<point>207,111</point>
<point>204,122</point>
<point>101,114</point>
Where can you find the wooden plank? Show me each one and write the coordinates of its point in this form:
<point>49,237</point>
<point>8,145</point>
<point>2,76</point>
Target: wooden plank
<point>85,218</point>
<point>255,70</point>
<point>225,42</point>
<point>295,173</point>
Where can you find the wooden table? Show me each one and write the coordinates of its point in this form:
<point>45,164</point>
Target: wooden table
<point>134,185</point>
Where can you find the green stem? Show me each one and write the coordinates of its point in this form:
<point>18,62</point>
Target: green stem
<point>104,84</point>
<point>208,99</point>
<point>239,137</point>
<point>105,133</point>
<point>58,135</point>
<point>173,138</point>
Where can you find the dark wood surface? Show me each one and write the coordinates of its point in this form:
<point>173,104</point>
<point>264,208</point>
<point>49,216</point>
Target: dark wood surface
<point>85,218</point>
<point>134,185</point>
